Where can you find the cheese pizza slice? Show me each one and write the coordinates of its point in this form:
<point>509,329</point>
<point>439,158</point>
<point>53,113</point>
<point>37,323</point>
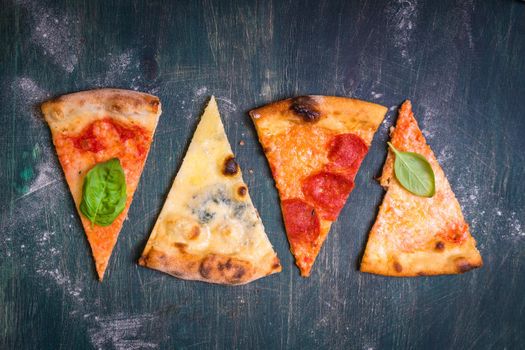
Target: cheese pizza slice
<point>208,229</point>
<point>414,235</point>
<point>315,146</point>
<point>102,138</point>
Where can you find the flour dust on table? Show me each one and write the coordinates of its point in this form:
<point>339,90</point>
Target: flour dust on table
<point>401,16</point>
<point>56,33</point>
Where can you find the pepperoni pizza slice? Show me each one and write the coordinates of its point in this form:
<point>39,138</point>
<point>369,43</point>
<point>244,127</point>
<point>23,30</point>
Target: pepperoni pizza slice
<point>314,145</point>
<point>102,138</point>
<point>414,235</point>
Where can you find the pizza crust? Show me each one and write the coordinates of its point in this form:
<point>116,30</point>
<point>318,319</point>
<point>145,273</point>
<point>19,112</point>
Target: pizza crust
<point>412,235</point>
<point>451,260</point>
<point>70,113</point>
<point>339,114</point>
<point>214,268</point>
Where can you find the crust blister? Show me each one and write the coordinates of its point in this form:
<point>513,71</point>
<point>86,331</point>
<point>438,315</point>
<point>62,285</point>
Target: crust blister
<point>213,268</point>
<point>86,106</point>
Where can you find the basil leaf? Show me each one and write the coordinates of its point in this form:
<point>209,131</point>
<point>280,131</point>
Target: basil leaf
<point>104,193</point>
<point>414,173</point>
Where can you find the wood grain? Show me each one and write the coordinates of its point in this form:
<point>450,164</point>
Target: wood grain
<point>460,62</point>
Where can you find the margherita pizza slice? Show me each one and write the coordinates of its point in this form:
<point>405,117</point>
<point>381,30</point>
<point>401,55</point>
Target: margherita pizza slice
<point>102,138</point>
<point>414,235</point>
<point>208,229</point>
<point>314,145</point>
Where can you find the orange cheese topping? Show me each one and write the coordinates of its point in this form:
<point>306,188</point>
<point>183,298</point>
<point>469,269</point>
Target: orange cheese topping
<point>294,155</point>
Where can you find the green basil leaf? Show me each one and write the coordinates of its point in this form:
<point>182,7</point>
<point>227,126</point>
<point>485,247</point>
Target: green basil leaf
<point>414,173</point>
<point>104,193</point>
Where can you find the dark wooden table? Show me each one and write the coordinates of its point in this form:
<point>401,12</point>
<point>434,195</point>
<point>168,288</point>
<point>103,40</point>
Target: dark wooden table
<point>462,63</point>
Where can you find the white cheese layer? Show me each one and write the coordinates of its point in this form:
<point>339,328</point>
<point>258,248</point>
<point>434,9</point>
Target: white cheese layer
<point>208,211</point>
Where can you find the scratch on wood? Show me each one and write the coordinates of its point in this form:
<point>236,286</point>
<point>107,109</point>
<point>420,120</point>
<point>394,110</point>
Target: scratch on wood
<point>290,309</point>
<point>41,187</point>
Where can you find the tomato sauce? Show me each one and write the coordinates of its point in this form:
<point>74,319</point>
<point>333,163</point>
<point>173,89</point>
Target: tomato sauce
<point>95,137</point>
<point>87,141</point>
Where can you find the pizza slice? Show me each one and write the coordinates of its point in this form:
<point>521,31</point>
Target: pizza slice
<point>415,235</point>
<point>208,229</point>
<point>102,138</point>
<point>314,145</point>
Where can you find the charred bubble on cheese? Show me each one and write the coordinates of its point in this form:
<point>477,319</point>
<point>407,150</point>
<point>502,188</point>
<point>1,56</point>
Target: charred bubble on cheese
<point>306,107</point>
<point>180,246</point>
<point>194,233</point>
<point>182,228</point>
<point>242,190</point>
<point>230,166</point>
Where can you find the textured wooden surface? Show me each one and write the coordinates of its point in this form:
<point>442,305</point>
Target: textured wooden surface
<point>462,64</point>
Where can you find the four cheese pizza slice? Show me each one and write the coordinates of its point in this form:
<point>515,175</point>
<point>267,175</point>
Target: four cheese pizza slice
<point>314,145</point>
<point>208,229</point>
<point>102,138</point>
<point>416,235</point>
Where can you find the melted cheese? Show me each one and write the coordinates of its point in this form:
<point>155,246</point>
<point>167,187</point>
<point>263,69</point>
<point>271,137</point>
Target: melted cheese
<point>204,211</point>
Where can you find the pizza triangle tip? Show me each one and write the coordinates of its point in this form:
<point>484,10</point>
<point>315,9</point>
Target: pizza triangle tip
<point>100,275</point>
<point>415,235</point>
<point>208,228</point>
<point>314,146</point>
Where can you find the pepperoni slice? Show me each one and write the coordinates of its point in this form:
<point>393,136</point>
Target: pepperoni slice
<point>346,152</point>
<point>328,192</point>
<point>300,220</point>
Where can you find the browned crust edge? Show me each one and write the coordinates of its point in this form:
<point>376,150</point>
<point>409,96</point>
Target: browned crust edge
<point>211,268</point>
<point>129,98</point>
<point>124,102</point>
<point>457,266</point>
<point>282,105</point>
